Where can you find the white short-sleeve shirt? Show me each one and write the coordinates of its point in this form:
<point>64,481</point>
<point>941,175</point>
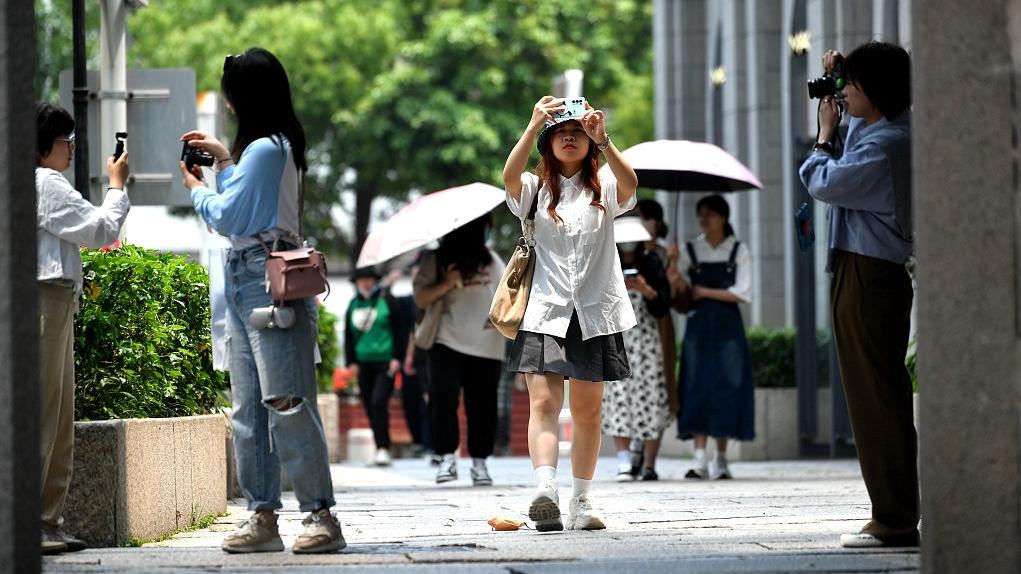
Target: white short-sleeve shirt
<point>577,266</point>
<point>706,253</point>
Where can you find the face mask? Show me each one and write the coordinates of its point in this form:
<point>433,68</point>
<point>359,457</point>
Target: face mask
<point>486,235</point>
<point>628,246</point>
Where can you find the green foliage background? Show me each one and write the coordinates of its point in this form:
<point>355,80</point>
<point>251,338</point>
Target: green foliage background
<point>398,96</point>
<point>329,350</point>
<point>142,337</point>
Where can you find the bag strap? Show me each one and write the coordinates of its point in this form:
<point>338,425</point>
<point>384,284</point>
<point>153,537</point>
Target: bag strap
<point>535,205</point>
<point>528,223</point>
<point>691,254</point>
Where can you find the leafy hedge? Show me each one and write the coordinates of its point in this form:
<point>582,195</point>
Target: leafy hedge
<point>772,352</point>
<point>142,337</point>
<point>329,350</point>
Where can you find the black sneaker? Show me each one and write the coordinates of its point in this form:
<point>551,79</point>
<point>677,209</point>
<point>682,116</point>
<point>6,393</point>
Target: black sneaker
<point>649,474</point>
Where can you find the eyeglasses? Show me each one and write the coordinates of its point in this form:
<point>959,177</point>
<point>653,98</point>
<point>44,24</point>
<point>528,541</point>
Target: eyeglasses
<point>69,139</point>
<point>229,61</point>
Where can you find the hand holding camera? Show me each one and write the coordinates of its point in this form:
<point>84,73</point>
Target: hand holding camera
<point>200,149</point>
<point>828,89</point>
<point>117,164</point>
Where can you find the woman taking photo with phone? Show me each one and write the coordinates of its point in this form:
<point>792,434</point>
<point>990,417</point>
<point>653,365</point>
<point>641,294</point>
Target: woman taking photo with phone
<point>717,395</point>
<point>272,368</point>
<point>578,305</point>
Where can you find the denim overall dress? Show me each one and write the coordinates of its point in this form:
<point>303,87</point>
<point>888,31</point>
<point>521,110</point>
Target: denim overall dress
<point>715,381</point>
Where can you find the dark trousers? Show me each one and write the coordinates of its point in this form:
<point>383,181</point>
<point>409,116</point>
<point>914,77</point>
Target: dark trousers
<point>449,372</point>
<point>415,410</point>
<point>376,386</point>
<point>871,302</point>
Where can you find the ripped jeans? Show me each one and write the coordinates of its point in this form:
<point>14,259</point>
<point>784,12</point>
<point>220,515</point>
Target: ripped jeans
<point>273,381</point>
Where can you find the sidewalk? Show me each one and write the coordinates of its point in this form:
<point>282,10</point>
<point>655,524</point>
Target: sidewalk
<point>774,517</point>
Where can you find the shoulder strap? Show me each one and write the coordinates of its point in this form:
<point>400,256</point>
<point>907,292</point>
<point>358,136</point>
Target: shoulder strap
<point>691,254</point>
<point>733,254</point>
<point>301,207</point>
<point>535,205</point>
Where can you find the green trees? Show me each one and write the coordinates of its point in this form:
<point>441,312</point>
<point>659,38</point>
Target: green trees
<point>416,95</point>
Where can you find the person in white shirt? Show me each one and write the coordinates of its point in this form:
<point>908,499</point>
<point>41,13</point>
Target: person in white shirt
<point>578,305</point>
<point>66,223</point>
<point>715,382</point>
<point>462,276</point>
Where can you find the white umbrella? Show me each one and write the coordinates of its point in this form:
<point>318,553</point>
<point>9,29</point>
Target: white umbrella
<point>630,229</point>
<point>427,219</point>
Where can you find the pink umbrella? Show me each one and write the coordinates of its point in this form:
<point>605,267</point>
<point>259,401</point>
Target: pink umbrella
<point>681,165</point>
<point>427,219</point>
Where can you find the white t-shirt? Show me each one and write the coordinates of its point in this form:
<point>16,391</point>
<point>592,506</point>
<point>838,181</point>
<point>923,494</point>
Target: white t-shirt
<point>706,253</point>
<point>577,265</point>
<point>465,326</point>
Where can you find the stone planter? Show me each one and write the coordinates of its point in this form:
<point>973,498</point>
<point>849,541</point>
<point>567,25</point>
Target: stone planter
<point>776,429</point>
<point>145,478</point>
<point>329,411</point>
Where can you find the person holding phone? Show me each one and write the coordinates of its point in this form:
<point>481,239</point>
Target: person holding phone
<point>638,408</point>
<point>715,381</point>
<point>462,276</point>
<point>272,369</point>
<point>868,189</point>
<point>578,305</point>
<point>66,223</point>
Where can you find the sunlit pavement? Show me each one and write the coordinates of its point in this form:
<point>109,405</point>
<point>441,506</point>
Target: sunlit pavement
<point>773,517</point>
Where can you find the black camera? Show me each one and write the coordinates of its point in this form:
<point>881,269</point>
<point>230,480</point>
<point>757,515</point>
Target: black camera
<point>118,149</point>
<point>192,156</point>
<point>829,83</point>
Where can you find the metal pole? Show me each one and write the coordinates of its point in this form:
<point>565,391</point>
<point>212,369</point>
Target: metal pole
<point>80,93</point>
<point>19,323</point>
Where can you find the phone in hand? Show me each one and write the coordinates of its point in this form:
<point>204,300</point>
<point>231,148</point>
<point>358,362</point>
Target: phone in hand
<point>118,150</point>
<point>574,108</point>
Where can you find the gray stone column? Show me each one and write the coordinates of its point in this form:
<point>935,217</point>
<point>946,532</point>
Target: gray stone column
<point>19,322</point>
<point>968,240</point>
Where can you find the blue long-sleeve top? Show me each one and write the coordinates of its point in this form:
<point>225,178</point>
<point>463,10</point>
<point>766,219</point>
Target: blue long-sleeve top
<point>868,189</point>
<point>257,196</point>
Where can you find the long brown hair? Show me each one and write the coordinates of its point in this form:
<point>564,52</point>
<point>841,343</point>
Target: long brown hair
<point>549,168</point>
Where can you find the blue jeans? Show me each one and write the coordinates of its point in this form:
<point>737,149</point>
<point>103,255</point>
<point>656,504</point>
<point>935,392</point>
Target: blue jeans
<point>273,381</point>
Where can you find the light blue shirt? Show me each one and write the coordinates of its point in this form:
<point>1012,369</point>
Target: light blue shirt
<point>258,196</point>
<point>868,189</point>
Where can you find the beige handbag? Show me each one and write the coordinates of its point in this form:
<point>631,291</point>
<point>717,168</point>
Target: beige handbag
<point>511,297</point>
<point>427,322</point>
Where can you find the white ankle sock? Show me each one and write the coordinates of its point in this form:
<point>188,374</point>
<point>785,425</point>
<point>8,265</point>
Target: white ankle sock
<point>699,455</point>
<point>581,486</point>
<point>623,457</point>
<point>479,462</point>
<point>545,474</point>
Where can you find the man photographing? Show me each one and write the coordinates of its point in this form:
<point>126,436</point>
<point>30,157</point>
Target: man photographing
<point>868,189</point>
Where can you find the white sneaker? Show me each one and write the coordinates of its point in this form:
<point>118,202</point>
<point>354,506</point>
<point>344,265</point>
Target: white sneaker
<point>382,457</point>
<point>581,516</point>
<point>699,469</point>
<point>624,472</point>
<point>860,540</point>
<point>719,470</point>
<point>545,508</point>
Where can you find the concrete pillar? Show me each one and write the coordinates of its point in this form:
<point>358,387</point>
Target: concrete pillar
<point>19,323</point>
<point>968,243</point>
<point>766,231</point>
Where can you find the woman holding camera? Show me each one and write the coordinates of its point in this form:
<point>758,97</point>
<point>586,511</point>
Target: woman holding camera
<point>868,189</point>
<point>717,394</point>
<point>462,276</point>
<point>578,305</point>
<point>66,223</point>
<point>272,368</point>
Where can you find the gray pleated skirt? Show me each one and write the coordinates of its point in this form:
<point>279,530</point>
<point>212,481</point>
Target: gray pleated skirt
<point>601,358</point>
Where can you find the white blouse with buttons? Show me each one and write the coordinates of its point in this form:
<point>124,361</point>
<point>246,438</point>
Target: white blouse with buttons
<point>577,266</point>
<point>706,253</point>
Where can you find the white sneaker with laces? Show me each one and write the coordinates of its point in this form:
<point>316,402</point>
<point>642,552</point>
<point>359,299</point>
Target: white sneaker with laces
<point>581,516</point>
<point>545,508</point>
<point>321,534</point>
<point>480,475</point>
<point>719,470</point>
<point>860,540</point>
<point>699,468</point>
<point>382,457</point>
<point>624,472</point>
<point>257,534</point>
